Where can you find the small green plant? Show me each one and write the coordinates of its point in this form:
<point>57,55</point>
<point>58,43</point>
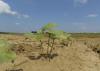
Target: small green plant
<point>46,29</point>
<point>49,32</point>
<point>52,35</point>
<point>57,35</point>
<point>5,53</point>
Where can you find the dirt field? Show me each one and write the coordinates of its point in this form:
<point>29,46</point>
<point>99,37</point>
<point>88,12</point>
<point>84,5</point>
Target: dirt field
<point>82,55</point>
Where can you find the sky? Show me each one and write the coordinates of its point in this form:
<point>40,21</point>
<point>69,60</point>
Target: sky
<point>30,15</point>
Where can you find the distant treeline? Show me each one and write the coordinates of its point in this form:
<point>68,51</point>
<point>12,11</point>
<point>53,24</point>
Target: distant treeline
<point>13,33</point>
<point>91,35</point>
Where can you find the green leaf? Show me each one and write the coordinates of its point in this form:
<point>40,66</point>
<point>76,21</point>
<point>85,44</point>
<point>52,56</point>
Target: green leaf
<point>39,31</point>
<point>59,34</point>
<point>38,36</point>
<point>49,26</point>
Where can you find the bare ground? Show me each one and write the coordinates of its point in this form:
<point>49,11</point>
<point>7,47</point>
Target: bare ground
<point>77,57</point>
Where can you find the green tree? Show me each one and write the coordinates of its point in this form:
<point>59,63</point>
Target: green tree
<point>49,31</point>
<point>52,35</point>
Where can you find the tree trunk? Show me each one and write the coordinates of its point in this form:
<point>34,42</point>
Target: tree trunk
<point>52,47</point>
<point>41,46</point>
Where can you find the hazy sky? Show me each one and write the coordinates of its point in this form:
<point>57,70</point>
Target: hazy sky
<point>70,15</point>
